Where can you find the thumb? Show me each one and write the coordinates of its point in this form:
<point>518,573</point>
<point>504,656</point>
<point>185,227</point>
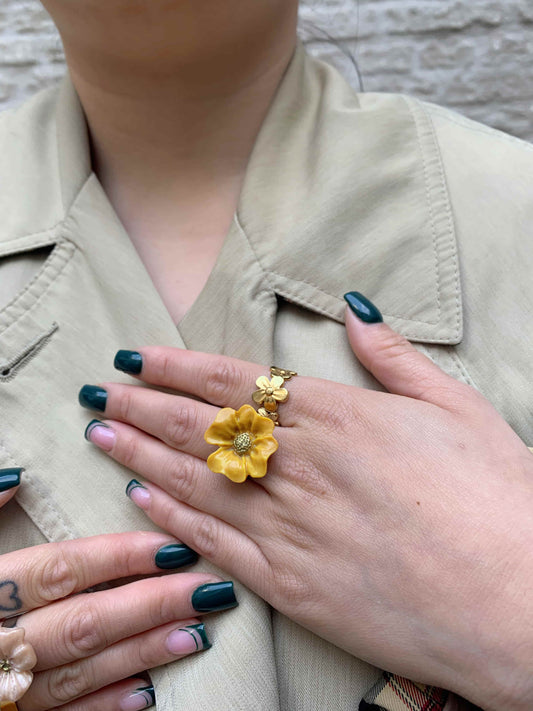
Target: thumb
<point>392,359</point>
<point>9,483</point>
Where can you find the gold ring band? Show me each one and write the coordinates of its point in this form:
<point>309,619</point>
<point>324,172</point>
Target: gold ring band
<point>271,392</point>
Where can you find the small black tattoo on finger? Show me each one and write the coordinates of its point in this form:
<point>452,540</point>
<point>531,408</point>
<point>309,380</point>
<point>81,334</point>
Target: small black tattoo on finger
<point>9,597</point>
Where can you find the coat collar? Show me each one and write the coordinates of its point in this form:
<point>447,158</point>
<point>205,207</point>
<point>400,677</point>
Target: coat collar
<point>343,191</point>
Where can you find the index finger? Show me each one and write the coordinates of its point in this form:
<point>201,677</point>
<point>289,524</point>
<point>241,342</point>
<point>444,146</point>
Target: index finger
<point>216,379</point>
<point>36,576</point>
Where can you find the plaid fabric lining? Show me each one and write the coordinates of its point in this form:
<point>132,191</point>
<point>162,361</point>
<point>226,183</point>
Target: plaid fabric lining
<point>394,693</point>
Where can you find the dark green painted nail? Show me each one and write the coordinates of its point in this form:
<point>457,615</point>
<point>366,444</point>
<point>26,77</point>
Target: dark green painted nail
<point>9,478</point>
<point>214,597</point>
<point>93,397</point>
<point>147,693</point>
<point>363,308</point>
<point>175,555</point>
<point>90,427</point>
<point>134,484</point>
<point>203,641</point>
<point>129,362</point>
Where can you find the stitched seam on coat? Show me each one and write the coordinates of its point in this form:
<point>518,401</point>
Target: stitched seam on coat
<point>10,368</point>
<point>44,499</point>
<point>464,371</point>
<point>51,272</point>
<point>422,155</point>
<point>451,223</point>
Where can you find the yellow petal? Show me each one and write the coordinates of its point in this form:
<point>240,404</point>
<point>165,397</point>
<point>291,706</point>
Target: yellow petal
<point>259,396</point>
<point>263,382</point>
<point>257,458</point>
<point>277,381</point>
<point>270,404</point>
<point>281,394</point>
<point>224,428</point>
<point>226,461</point>
<point>245,418</point>
<point>262,426</point>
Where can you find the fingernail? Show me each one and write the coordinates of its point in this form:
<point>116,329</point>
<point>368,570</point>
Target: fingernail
<point>214,597</point>
<point>141,698</point>
<point>93,397</point>
<point>187,640</point>
<point>9,478</point>
<point>363,308</point>
<point>175,555</point>
<point>129,362</point>
<point>100,434</point>
<point>138,493</point>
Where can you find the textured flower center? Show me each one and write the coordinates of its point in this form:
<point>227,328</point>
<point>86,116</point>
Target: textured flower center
<point>5,665</point>
<point>269,391</point>
<point>242,442</point>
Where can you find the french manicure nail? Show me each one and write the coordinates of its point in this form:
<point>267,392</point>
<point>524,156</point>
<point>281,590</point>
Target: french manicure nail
<point>100,434</point>
<point>214,597</point>
<point>129,362</point>
<point>141,698</point>
<point>9,478</point>
<point>362,307</point>
<point>138,493</point>
<point>93,397</point>
<point>175,555</point>
<point>187,640</point>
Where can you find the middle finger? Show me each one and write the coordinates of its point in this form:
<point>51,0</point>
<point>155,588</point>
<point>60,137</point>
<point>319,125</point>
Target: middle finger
<point>179,422</point>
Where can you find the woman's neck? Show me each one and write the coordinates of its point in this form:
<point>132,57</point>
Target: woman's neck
<point>174,92</point>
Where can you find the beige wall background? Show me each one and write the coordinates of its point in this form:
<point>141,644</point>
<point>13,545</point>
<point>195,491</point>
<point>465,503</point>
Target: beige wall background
<point>475,56</point>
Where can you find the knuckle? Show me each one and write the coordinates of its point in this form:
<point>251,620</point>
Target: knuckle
<point>162,363</point>
<point>179,425</point>
<point>69,682</point>
<point>127,451</point>
<point>293,590</point>
<point>205,537</point>
<point>310,480</point>
<point>124,402</point>
<point>181,479</point>
<point>392,344</point>
<point>222,381</point>
<point>56,578</point>
<point>83,634</point>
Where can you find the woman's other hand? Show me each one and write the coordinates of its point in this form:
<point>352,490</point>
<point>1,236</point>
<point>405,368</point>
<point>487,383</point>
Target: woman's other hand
<point>89,643</point>
<point>396,525</point>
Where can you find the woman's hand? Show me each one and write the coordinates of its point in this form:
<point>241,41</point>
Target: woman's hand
<point>396,525</point>
<point>89,644</point>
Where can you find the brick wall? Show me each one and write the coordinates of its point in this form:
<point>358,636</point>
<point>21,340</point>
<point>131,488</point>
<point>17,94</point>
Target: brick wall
<point>473,55</point>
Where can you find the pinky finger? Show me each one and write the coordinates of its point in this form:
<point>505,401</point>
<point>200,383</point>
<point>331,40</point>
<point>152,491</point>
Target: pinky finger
<point>127,695</point>
<point>9,484</point>
<point>220,543</point>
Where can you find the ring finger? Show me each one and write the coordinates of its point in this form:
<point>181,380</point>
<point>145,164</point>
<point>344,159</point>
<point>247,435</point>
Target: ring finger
<point>184,477</point>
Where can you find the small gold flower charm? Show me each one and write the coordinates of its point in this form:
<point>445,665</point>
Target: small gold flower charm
<point>17,659</point>
<point>271,415</point>
<point>285,374</point>
<point>244,441</point>
<point>270,392</point>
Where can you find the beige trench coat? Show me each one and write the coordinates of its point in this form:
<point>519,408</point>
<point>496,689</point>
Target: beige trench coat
<point>427,213</point>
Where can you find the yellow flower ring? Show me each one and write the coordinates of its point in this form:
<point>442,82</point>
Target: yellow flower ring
<point>245,442</point>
